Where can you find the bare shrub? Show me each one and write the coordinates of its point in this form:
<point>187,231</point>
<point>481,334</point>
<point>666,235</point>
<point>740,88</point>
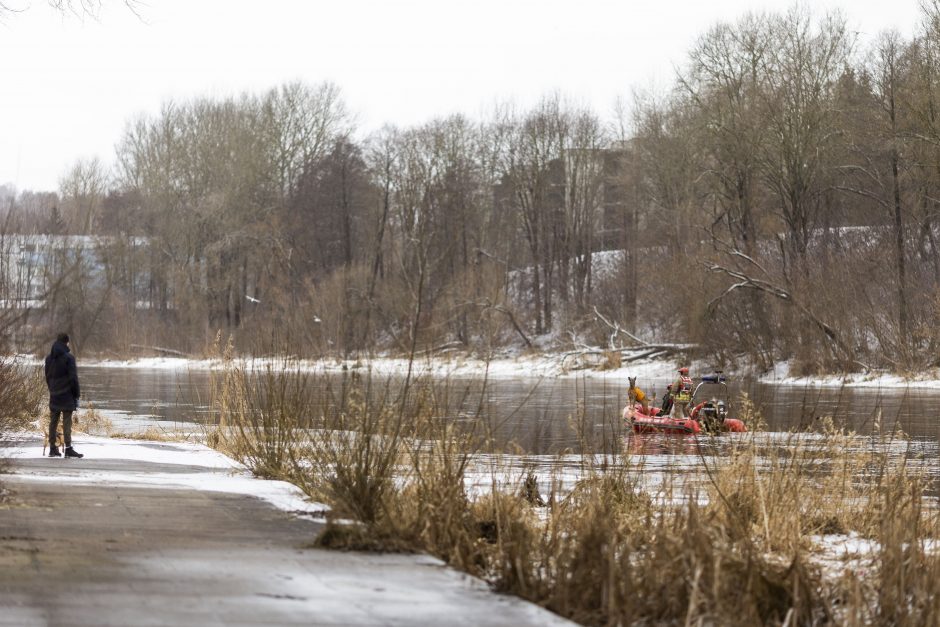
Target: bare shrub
<point>260,414</point>
<point>22,392</point>
<point>92,421</point>
<point>384,453</point>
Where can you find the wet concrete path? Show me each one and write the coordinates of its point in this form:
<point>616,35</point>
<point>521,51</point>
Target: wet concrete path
<point>81,544</point>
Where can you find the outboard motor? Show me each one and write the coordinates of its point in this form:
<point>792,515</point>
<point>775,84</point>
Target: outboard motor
<point>722,411</point>
<point>709,417</point>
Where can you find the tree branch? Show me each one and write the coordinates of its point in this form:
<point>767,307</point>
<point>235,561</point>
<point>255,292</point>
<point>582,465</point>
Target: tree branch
<point>747,282</point>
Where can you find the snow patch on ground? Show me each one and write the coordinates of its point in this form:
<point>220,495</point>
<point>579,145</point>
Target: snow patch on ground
<point>156,363</point>
<point>205,469</point>
<point>837,554</point>
<point>177,453</point>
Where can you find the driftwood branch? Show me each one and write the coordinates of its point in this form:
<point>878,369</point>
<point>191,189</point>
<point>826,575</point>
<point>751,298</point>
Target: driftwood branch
<point>441,348</point>
<point>159,349</point>
<point>642,344</point>
<point>654,352</point>
<point>626,354</point>
<point>616,329</point>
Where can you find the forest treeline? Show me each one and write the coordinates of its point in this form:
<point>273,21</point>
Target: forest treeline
<point>778,201</point>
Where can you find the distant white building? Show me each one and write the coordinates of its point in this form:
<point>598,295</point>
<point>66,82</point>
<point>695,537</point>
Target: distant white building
<point>30,265</point>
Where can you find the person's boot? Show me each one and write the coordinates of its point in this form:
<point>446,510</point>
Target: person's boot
<point>70,452</point>
<point>54,451</point>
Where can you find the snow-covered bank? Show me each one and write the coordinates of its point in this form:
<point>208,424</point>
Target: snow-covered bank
<point>534,365</point>
<point>926,379</point>
<point>192,466</point>
<point>548,365</point>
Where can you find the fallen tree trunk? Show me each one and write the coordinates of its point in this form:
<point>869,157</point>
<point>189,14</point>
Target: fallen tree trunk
<point>640,343</point>
<point>627,354</point>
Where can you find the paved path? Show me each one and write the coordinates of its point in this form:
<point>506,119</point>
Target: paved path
<point>81,544</point>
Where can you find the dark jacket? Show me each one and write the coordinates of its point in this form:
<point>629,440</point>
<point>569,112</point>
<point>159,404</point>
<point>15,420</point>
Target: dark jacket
<point>667,402</point>
<point>62,378</point>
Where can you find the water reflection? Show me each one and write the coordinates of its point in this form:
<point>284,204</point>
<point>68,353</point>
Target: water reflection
<point>650,444</point>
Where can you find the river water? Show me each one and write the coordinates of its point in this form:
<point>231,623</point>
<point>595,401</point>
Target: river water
<point>546,416</point>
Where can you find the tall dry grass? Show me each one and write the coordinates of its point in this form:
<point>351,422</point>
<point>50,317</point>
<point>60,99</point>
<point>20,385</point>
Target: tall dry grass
<point>22,392</point>
<point>734,541</point>
<point>378,452</point>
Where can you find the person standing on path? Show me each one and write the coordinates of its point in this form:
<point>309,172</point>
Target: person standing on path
<point>64,392</point>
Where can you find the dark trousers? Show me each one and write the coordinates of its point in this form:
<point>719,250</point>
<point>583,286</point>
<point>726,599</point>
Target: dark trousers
<point>66,426</point>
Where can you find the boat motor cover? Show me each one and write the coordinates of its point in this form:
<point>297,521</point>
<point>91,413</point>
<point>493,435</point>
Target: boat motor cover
<point>714,378</point>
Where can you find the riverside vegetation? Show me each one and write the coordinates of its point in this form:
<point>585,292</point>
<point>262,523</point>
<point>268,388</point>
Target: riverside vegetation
<point>735,540</point>
<point>22,395</point>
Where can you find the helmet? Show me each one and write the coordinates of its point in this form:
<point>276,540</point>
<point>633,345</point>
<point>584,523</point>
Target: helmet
<point>669,387</point>
<point>683,370</point>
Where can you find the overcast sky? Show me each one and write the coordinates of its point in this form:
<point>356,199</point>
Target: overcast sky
<point>69,85</point>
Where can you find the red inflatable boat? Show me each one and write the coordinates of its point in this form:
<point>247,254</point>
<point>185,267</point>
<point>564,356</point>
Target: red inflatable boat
<point>710,416</point>
<point>657,423</point>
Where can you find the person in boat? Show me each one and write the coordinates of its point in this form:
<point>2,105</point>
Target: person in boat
<point>666,406</point>
<point>636,395</point>
<point>682,394</point>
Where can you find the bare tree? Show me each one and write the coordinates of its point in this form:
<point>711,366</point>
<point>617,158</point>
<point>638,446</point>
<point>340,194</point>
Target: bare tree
<point>876,134</point>
<point>82,192</point>
<point>534,169</point>
<point>727,82</point>
<point>668,158</point>
<point>804,62</point>
<point>301,123</point>
<point>79,8</point>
